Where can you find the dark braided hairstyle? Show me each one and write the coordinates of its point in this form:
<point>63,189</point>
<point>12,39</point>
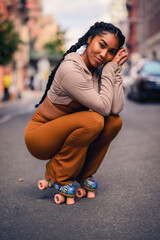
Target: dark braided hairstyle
<point>96,29</point>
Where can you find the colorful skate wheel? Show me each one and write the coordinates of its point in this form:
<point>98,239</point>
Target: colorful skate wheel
<point>90,194</point>
<point>80,193</point>
<point>70,200</point>
<point>42,184</point>
<point>58,198</point>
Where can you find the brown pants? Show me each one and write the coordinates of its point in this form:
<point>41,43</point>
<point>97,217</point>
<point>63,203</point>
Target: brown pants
<point>75,144</point>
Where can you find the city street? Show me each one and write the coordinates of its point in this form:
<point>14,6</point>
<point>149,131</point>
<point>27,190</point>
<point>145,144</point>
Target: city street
<point>127,203</point>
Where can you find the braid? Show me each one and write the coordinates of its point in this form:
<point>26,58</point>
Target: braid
<point>82,41</point>
<point>96,29</point>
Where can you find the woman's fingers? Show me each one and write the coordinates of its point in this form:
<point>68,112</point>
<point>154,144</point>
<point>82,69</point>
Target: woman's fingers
<point>123,60</point>
<point>123,56</point>
<point>120,55</point>
<point>121,51</point>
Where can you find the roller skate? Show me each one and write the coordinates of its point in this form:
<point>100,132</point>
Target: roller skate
<point>66,193</point>
<point>87,188</point>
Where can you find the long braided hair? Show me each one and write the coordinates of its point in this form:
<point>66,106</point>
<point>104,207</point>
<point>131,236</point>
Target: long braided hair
<point>96,29</point>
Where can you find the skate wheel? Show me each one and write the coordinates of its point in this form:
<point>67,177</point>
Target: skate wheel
<point>58,198</point>
<point>42,184</point>
<point>80,193</point>
<point>90,195</point>
<point>70,201</point>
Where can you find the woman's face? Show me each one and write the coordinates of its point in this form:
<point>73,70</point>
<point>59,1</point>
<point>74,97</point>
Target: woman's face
<point>101,49</point>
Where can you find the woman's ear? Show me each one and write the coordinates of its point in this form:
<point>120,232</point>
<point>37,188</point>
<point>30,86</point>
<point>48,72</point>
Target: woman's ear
<point>89,39</point>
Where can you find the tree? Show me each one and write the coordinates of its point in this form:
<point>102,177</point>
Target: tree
<point>9,41</point>
<point>55,48</point>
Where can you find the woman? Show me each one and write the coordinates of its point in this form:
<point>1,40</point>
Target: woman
<point>63,129</point>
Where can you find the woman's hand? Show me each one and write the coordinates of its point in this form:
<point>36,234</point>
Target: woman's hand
<point>120,57</point>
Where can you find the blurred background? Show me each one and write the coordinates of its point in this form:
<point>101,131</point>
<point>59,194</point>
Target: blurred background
<point>34,34</point>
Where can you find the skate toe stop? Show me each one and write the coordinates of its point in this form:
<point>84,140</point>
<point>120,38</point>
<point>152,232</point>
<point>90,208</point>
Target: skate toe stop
<point>91,195</point>
<point>70,201</point>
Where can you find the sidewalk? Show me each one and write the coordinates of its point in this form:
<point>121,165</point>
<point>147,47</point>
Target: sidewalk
<point>26,96</point>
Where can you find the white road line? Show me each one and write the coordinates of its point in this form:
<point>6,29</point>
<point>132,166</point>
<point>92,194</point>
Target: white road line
<point>8,117</point>
<point>5,118</point>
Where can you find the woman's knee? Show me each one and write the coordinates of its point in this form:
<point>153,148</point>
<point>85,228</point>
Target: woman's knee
<point>95,122</point>
<point>113,125</point>
<point>116,122</point>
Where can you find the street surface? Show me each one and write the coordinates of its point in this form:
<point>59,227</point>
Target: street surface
<point>127,203</point>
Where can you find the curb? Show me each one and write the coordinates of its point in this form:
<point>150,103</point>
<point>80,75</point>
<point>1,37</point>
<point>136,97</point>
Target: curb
<point>25,97</point>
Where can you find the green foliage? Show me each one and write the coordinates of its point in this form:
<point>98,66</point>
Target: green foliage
<point>55,48</point>
<point>9,41</point>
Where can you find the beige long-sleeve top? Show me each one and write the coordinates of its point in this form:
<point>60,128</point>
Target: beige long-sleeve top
<point>74,82</point>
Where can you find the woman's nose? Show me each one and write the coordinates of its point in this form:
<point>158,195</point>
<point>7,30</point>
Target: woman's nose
<point>104,53</point>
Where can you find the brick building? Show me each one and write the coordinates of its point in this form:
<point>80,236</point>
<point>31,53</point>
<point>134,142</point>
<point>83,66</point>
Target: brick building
<point>144,30</point>
<point>149,28</point>
<point>16,11</point>
<point>34,30</point>
<point>132,43</point>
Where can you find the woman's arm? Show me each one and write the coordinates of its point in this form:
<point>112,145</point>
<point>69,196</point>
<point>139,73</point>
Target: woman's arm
<point>75,84</point>
<point>118,97</point>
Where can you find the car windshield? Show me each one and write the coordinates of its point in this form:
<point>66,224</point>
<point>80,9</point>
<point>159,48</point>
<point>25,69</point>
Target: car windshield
<point>152,68</point>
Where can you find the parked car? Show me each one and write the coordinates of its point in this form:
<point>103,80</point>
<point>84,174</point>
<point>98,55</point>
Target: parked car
<point>145,81</point>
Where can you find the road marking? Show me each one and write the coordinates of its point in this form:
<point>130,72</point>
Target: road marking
<point>5,118</point>
<point>8,117</point>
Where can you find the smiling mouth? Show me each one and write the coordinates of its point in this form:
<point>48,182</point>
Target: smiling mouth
<point>98,60</point>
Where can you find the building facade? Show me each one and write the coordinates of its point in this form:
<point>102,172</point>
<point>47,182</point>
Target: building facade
<point>118,15</point>
<point>144,29</point>
<point>148,35</point>
<point>16,11</point>
<point>34,30</point>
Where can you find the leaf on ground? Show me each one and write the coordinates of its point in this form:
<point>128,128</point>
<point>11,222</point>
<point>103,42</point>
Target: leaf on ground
<point>20,180</point>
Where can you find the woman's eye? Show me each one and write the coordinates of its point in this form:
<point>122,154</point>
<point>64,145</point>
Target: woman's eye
<point>112,52</point>
<point>101,44</point>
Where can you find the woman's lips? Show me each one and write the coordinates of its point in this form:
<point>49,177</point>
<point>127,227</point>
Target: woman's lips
<point>98,60</point>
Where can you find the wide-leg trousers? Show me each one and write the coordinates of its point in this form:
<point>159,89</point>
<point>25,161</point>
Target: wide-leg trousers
<point>74,144</point>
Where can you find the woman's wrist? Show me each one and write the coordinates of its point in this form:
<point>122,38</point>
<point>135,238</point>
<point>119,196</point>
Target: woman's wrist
<point>113,64</point>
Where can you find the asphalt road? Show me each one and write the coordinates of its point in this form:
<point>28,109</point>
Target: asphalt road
<point>127,203</point>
